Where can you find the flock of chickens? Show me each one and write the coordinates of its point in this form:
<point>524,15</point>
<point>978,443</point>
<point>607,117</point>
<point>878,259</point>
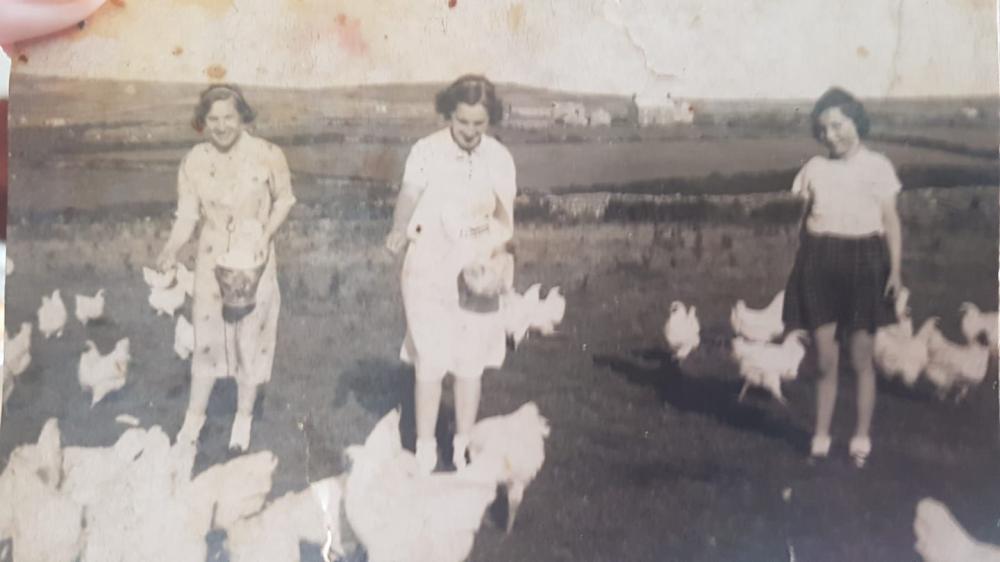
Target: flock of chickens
<point>767,356</point>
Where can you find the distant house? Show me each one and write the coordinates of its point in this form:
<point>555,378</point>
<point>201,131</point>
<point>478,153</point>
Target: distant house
<point>528,116</point>
<point>600,117</point>
<point>655,110</point>
<point>970,113</point>
<point>569,113</point>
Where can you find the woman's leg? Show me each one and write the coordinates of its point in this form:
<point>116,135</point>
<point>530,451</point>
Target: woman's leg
<point>194,418</point>
<point>467,393</point>
<point>246,395</point>
<point>828,354</point>
<point>862,352</point>
<point>427,401</point>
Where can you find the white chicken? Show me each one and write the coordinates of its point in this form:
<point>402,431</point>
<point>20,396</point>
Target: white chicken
<point>953,366</point>
<point>682,330</point>
<point>166,301</point>
<point>518,311</point>
<point>549,313</point>
<point>940,538</point>
<point>52,315</point>
<point>185,278</point>
<point>104,374</point>
<point>402,515</point>
<point>517,442</point>
<point>158,280</point>
<point>183,337</point>
<point>768,364</point>
<point>17,357</point>
<point>758,325</point>
<point>90,308</point>
<point>976,323</point>
<point>899,353</point>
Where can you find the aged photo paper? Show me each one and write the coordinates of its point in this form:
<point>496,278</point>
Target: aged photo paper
<point>446,280</point>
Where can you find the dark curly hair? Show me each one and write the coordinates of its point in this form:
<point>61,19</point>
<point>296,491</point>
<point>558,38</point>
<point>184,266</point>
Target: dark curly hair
<point>220,92</point>
<point>848,104</point>
<point>470,89</point>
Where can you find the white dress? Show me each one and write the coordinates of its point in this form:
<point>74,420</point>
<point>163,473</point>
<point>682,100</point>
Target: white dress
<point>229,193</point>
<point>464,211</point>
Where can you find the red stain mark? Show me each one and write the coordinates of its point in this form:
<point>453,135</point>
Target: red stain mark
<point>216,72</point>
<point>349,35</point>
<point>452,3</point>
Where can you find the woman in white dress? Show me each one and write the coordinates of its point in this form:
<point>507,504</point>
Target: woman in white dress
<point>454,216</point>
<point>237,187</point>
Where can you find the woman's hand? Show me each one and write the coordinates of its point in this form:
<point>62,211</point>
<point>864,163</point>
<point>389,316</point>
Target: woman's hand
<point>262,249</point>
<point>894,284</point>
<point>396,241</point>
<point>167,260</point>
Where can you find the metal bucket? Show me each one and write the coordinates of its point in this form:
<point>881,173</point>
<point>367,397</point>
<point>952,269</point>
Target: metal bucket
<point>239,289</point>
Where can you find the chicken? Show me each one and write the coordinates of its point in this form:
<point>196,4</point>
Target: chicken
<point>758,325</point>
<point>273,535</point>
<point>549,313</point>
<point>185,279</point>
<point>954,366</point>
<point>90,308</point>
<point>517,442</point>
<point>158,280</point>
<point>518,311</point>
<point>183,337</point>
<point>900,354</point>
<point>402,515</point>
<point>976,323</point>
<point>767,364</point>
<point>17,357</point>
<point>940,538</point>
<point>104,374</point>
<point>167,300</point>
<point>52,315</point>
<point>682,330</point>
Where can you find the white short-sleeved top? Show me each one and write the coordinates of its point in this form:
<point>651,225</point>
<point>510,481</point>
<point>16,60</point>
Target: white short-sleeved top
<point>459,189</point>
<point>846,195</point>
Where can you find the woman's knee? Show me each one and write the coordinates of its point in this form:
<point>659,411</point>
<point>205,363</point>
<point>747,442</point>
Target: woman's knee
<point>862,352</point>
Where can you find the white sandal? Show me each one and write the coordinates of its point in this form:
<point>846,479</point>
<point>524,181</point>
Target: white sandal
<point>860,448</point>
<point>820,447</point>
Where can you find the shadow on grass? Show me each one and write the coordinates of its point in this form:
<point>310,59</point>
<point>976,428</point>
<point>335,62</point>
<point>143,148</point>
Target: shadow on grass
<point>709,396</point>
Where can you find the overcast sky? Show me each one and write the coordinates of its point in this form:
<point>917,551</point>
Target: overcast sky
<point>694,48</point>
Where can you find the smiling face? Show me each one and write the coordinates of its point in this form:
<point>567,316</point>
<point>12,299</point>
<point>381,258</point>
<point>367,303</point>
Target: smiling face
<point>838,132</point>
<point>468,125</point>
<point>223,124</point>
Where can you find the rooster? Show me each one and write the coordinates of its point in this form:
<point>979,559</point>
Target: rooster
<point>758,325</point>
<point>52,315</point>
<point>768,364</point>
<point>952,365</point>
<point>517,442</point>
<point>682,330</point>
<point>899,353</point>
<point>90,308</point>
<point>104,374</point>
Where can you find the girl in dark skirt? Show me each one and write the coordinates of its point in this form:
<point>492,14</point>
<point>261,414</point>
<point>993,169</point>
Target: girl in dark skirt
<point>847,270</point>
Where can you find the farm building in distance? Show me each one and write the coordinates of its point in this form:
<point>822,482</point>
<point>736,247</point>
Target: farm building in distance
<point>646,111</point>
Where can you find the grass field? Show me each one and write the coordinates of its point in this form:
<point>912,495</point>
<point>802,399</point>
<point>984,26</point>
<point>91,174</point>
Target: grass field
<point>648,460</point>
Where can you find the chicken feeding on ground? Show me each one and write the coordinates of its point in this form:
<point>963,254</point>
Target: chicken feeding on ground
<point>518,311</point>
<point>185,279</point>
<point>954,366</point>
<point>90,308</point>
<point>768,364</point>
<point>549,313</point>
<point>273,535</point>
<point>517,442</point>
<point>940,538</point>
<point>104,374</point>
<point>16,358</point>
<point>52,315</point>
<point>400,514</point>
<point>979,326</point>
<point>901,354</point>
<point>183,337</point>
<point>758,325</point>
<point>166,301</point>
<point>682,330</point>
<point>158,280</point>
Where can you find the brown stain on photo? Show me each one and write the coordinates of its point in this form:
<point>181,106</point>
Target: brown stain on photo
<point>215,72</point>
<point>515,17</point>
<point>349,35</point>
<point>177,51</point>
<point>452,3</point>
<point>863,52</point>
